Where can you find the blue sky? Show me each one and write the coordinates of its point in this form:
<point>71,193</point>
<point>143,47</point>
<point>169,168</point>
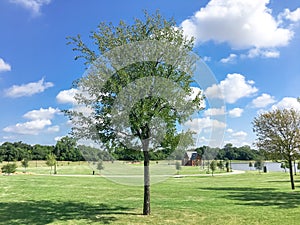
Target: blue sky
<point>252,47</point>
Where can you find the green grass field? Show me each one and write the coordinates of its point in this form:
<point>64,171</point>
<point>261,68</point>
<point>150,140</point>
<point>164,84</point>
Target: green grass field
<point>249,198</point>
<point>83,168</point>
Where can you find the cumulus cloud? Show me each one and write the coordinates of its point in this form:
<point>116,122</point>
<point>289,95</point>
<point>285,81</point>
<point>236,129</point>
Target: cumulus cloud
<point>229,130</point>
<point>41,114</point>
<point>199,124</point>
<point>206,59</point>
<point>215,111</point>
<point>236,112</point>
<point>33,5</point>
<point>4,66</point>
<point>237,138</point>
<point>29,89</point>
<point>237,142</point>
<point>230,59</point>
<point>263,101</point>
<point>67,96</point>
<point>243,25</point>
<point>293,16</point>
<point>240,23</point>
<point>39,121</point>
<point>233,88</point>
<point>256,52</point>
<point>53,129</point>
<point>32,127</point>
<point>240,134</point>
<point>287,103</point>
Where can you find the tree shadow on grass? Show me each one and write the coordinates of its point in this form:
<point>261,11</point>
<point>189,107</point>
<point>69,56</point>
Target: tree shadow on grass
<point>45,212</point>
<point>260,196</point>
<point>283,181</point>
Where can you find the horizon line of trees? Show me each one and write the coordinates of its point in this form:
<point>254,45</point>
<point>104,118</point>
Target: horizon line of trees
<point>67,150</point>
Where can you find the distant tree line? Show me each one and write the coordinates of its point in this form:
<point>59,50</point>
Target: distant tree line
<point>230,152</point>
<point>64,150</point>
<point>67,150</point>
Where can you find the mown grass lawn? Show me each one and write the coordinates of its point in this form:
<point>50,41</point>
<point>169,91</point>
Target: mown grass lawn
<point>249,198</point>
<point>83,168</point>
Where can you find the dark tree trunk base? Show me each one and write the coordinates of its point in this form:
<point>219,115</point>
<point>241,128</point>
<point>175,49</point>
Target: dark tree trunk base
<point>146,208</point>
<point>291,174</point>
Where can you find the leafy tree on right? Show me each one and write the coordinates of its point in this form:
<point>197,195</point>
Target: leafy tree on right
<point>278,133</point>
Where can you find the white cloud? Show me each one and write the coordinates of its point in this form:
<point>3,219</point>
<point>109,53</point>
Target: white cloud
<point>232,88</point>
<point>206,59</point>
<point>32,127</point>
<point>237,138</point>
<point>256,52</point>
<point>263,101</point>
<point>240,134</point>
<point>40,121</point>
<point>288,15</point>
<point>67,96</point>
<point>242,24</point>
<point>4,66</point>
<point>53,129</point>
<point>237,142</point>
<point>230,59</point>
<point>229,130</point>
<point>28,89</point>
<point>215,111</point>
<point>33,5</point>
<point>200,124</point>
<point>287,103</point>
<point>236,112</point>
<point>41,114</point>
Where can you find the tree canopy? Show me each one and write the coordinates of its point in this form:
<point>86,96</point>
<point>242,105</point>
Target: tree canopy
<point>278,133</point>
<point>137,88</point>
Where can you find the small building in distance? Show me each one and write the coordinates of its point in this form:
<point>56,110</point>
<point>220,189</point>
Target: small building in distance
<point>191,158</point>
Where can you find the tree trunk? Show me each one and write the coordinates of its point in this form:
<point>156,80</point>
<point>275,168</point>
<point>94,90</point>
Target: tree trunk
<point>291,173</point>
<point>146,209</point>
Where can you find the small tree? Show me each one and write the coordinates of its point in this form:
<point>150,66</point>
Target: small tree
<point>250,165</point>
<point>259,164</point>
<point>278,133</point>
<point>284,165</point>
<point>298,165</point>
<point>220,165</point>
<point>177,166</point>
<point>9,168</point>
<point>227,165</point>
<point>213,166</point>
<point>51,161</point>
<point>25,163</point>
<point>100,166</point>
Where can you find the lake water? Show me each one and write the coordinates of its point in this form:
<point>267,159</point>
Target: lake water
<point>271,166</point>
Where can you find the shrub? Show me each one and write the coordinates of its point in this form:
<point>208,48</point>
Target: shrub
<point>9,168</point>
<point>178,166</point>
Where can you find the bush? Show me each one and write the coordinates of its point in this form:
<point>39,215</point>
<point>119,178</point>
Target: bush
<point>9,168</point>
<point>259,164</point>
<point>178,166</point>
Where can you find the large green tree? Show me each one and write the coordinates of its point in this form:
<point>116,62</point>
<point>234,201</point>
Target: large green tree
<point>65,149</point>
<point>278,133</point>
<point>136,89</point>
